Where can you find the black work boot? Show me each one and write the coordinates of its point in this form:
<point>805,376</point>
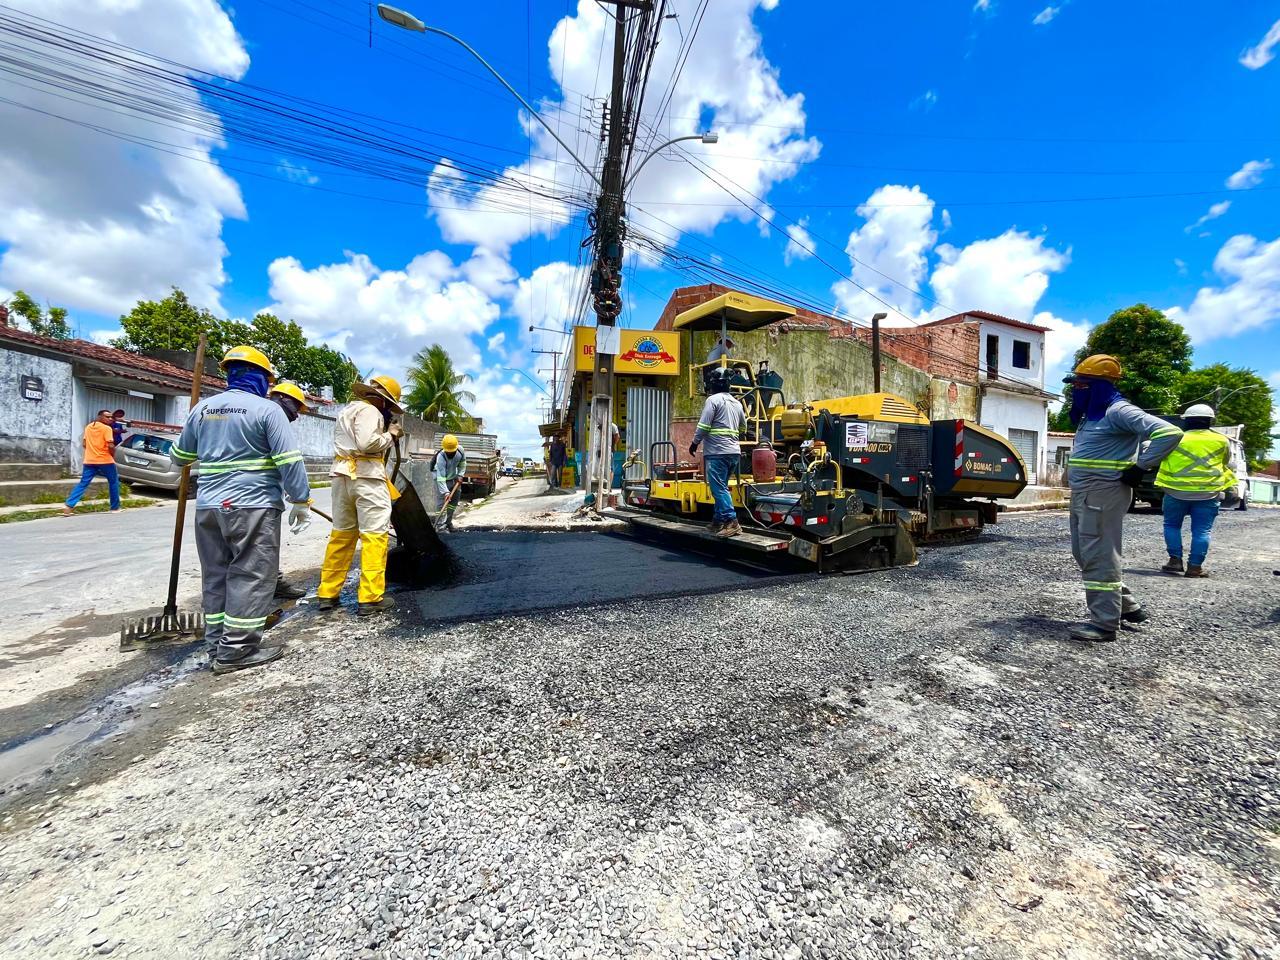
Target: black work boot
<point>1195,570</point>
<point>715,526</point>
<point>1136,615</point>
<point>1173,566</point>
<point>325,604</point>
<point>229,663</point>
<point>287,591</point>
<point>1090,633</point>
<point>375,607</point>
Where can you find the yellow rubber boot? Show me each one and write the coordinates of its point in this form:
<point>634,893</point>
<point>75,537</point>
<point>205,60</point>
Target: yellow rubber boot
<point>337,561</point>
<point>373,567</point>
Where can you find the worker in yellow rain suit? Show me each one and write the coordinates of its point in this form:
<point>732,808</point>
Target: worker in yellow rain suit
<point>362,495</point>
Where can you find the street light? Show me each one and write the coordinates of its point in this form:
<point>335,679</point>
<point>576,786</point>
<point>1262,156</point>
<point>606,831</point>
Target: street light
<point>527,377</point>
<point>707,137</point>
<point>407,21</point>
<point>547,329</point>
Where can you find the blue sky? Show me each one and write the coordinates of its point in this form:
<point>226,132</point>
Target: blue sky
<point>1051,162</point>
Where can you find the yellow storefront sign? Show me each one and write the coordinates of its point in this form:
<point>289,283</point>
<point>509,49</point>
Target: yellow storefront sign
<point>653,352</point>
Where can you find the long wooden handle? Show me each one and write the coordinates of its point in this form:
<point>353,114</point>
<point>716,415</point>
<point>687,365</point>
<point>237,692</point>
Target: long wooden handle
<point>197,376</point>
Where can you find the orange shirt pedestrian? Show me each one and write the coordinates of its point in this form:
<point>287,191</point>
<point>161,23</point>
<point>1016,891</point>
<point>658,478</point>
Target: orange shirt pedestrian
<point>97,443</point>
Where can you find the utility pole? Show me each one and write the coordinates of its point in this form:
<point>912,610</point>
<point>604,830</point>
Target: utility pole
<point>606,270</point>
<point>875,348</point>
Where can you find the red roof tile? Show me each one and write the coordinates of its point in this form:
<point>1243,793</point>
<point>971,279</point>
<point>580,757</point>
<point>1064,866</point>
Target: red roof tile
<point>139,367</point>
<point>985,315</point>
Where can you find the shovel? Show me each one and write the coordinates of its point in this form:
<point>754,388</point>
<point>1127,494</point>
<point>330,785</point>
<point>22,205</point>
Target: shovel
<point>170,624</point>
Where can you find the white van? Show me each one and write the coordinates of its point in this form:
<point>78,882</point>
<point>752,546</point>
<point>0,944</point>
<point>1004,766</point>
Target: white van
<point>1240,467</point>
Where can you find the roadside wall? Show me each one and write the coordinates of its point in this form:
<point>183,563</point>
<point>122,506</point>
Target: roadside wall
<point>36,431</point>
<point>814,366</point>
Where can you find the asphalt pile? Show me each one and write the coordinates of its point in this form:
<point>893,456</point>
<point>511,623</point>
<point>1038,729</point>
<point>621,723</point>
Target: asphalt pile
<point>910,763</point>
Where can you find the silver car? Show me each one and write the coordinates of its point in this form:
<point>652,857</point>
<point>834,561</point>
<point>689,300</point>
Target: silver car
<point>142,459</point>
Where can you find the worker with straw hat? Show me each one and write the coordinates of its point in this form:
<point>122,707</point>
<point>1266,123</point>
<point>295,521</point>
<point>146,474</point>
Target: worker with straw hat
<point>362,495</point>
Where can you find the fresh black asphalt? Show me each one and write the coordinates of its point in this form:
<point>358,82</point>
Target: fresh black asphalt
<point>498,574</point>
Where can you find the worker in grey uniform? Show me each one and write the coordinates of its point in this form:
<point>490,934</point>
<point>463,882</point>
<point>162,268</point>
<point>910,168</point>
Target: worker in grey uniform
<point>1107,462</point>
<point>291,399</point>
<point>245,449</point>
<point>450,467</point>
<point>721,426</point>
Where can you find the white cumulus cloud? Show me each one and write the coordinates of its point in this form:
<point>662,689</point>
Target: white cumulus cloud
<point>1213,213</point>
<point>1250,175</point>
<point>1045,16</point>
<point>892,243</point>
<point>1264,51</point>
<point>799,243</point>
<point>93,222</point>
<point>1248,298</point>
<point>380,318</point>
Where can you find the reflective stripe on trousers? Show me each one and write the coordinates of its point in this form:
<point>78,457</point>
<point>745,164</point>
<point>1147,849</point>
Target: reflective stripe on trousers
<point>1097,526</point>
<point>239,558</point>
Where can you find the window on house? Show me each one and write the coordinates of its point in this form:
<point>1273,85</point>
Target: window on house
<point>993,356</point>
<point>1022,354</point>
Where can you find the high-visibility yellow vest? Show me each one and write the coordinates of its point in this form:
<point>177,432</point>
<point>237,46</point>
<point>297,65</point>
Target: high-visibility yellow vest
<point>1200,464</point>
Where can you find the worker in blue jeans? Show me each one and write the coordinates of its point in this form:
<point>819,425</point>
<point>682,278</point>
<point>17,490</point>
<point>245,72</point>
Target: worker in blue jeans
<point>99,461</point>
<point>1192,479</point>
<point>721,425</point>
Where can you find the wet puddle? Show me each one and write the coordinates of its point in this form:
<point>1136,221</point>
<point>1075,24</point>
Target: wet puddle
<point>26,759</point>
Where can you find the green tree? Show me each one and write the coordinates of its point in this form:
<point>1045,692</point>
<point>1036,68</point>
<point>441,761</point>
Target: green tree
<point>1237,395</point>
<point>1153,350</point>
<point>52,324</point>
<point>435,392</point>
<point>174,323</point>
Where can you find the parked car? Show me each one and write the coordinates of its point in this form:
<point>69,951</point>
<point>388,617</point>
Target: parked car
<point>142,459</point>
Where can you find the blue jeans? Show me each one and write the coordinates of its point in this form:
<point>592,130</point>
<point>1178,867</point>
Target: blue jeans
<point>90,471</point>
<point>1202,512</point>
<point>719,468</point>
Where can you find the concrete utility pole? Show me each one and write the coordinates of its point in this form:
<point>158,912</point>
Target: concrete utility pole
<point>606,270</point>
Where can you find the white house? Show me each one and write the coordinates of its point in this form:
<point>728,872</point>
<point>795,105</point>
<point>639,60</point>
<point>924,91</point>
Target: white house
<point>1012,399</point>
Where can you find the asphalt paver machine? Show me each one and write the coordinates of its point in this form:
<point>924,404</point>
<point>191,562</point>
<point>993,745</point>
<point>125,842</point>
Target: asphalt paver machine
<point>848,483</point>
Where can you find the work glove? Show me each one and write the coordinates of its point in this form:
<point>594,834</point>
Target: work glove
<point>693,449</point>
<point>1132,476</point>
<point>299,517</point>
<point>396,431</point>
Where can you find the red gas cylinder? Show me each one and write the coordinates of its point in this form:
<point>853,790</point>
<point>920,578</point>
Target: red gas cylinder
<point>764,465</point>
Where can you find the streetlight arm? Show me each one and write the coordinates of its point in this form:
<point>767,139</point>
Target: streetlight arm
<point>704,137</point>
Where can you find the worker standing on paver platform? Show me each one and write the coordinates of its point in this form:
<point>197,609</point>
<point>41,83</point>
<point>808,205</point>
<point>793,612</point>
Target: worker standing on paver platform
<point>290,398</point>
<point>1106,465</point>
<point>450,466</point>
<point>1193,479</point>
<point>721,425</point>
<point>246,453</point>
<point>362,495</point>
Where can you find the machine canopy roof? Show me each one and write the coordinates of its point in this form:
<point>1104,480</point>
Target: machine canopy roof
<point>733,311</point>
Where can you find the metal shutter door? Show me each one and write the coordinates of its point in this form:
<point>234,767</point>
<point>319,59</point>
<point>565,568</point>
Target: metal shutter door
<point>1026,442</point>
<point>648,422</point>
<point>135,408</point>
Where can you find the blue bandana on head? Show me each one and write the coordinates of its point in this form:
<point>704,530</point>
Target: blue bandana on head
<point>247,377</point>
<point>1091,401</point>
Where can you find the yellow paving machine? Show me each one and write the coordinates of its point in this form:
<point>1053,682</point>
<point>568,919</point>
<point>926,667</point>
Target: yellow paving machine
<point>850,483</point>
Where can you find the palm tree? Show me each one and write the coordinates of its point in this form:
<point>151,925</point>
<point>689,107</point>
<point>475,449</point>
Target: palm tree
<point>434,392</point>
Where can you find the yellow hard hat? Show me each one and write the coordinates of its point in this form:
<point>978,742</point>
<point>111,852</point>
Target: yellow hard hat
<point>287,388</point>
<point>251,355</point>
<point>1099,365</point>
<point>449,443</point>
<point>383,387</point>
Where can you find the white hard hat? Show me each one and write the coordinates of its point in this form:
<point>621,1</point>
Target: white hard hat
<point>1199,410</point>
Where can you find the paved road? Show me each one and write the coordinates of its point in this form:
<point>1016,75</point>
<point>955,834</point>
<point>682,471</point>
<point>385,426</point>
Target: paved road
<point>505,573</point>
<point>104,564</point>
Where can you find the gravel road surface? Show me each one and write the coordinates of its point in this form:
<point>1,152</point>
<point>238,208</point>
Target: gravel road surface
<point>901,764</point>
